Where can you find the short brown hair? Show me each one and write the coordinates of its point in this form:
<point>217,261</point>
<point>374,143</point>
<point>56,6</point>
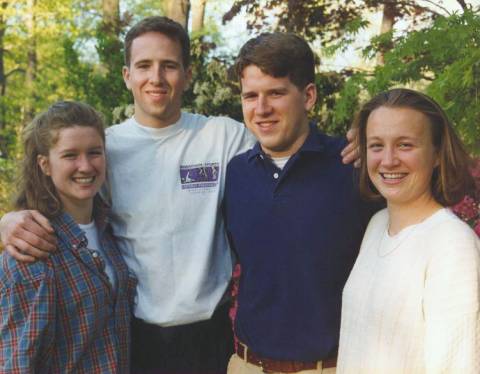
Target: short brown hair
<point>279,55</point>
<point>451,179</point>
<point>163,25</point>
<point>36,190</point>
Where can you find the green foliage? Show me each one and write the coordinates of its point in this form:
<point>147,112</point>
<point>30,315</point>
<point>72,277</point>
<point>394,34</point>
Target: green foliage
<point>211,93</point>
<point>441,59</point>
<point>327,20</point>
<point>77,58</point>
<point>7,171</point>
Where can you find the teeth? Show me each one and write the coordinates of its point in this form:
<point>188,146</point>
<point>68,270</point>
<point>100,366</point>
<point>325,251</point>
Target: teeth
<point>84,180</point>
<point>393,175</point>
<point>265,124</point>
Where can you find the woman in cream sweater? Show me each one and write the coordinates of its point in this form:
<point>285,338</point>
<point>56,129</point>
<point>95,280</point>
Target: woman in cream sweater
<point>411,303</point>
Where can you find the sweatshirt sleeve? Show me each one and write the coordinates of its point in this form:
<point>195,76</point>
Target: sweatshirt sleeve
<point>451,304</point>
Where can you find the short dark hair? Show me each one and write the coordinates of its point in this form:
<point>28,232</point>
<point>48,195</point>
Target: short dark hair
<point>279,55</point>
<point>451,179</point>
<point>36,189</point>
<point>164,26</point>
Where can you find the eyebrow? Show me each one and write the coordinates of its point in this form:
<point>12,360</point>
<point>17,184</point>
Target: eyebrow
<point>149,61</point>
<point>142,61</point>
<point>75,149</point>
<point>270,90</point>
<point>403,137</point>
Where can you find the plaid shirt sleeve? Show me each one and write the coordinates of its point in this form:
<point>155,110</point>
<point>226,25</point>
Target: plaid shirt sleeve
<point>27,316</point>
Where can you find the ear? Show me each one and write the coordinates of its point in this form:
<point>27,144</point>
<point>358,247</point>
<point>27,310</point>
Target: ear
<point>44,164</point>
<point>126,76</point>
<point>310,95</point>
<point>188,78</point>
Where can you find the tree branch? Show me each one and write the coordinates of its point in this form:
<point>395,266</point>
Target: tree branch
<point>439,6</point>
<point>463,4</point>
<point>16,70</point>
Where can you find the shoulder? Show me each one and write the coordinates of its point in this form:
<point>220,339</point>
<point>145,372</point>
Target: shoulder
<point>380,217</point>
<point>377,222</point>
<point>332,144</point>
<point>446,229</point>
<point>452,244</point>
<point>118,129</point>
<point>331,148</point>
<point>16,272</point>
<point>212,123</point>
<point>239,161</point>
<point>223,133</point>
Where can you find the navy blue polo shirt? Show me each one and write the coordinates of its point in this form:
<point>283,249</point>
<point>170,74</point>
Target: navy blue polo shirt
<point>296,233</point>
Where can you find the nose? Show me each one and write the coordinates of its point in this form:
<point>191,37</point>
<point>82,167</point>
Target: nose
<point>157,75</point>
<point>389,158</point>
<point>84,164</point>
<point>263,108</point>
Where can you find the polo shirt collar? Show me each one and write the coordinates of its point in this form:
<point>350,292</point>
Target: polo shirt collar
<point>313,143</point>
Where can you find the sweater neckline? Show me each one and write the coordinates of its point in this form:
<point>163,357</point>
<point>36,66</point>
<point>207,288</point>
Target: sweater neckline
<point>390,243</point>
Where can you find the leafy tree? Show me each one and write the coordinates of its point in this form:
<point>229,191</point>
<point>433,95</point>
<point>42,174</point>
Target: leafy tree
<point>327,20</point>
<point>439,54</point>
<point>441,59</point>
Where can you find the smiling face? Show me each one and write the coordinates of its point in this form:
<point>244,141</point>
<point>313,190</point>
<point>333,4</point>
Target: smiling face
<point>400,155</point>
<point>275,111</point>
<point>76,165</point>
<point>157,78</point>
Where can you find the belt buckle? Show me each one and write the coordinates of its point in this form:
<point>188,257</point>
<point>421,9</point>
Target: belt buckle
<point>260,363</point>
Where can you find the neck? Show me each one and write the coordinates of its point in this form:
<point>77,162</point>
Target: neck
<point>81,213</point>
<point>403,215</point>
<point>157,123</point>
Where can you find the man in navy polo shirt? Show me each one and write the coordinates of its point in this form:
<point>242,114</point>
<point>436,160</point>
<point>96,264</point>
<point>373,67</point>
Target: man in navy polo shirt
<point>293,215</point>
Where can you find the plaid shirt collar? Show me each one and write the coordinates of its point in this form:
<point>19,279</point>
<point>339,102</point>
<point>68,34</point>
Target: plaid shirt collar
<point>69,231</point>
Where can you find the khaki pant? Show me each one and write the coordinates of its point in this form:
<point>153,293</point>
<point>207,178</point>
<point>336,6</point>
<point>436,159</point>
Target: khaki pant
<point>238,366</point>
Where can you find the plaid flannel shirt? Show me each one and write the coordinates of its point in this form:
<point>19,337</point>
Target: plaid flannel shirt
<point>62,315</point>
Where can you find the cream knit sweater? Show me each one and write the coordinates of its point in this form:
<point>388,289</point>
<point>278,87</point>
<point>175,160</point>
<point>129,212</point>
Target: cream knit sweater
<point>411,303</point>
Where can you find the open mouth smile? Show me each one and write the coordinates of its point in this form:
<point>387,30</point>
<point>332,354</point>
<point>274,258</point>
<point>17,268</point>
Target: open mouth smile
<point>157,93</point>
<point>266,125</point>
<point>84,180</point>
<point>393,176</point>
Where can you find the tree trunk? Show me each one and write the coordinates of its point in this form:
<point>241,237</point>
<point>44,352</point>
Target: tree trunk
<point>108,39</point>
<point>463,4</point>
<point>3,78</point>
<point>198,14</point>
<point>111,16</point>
<point>178,10</point>
<point>388,20</point>
<point>31,72</point>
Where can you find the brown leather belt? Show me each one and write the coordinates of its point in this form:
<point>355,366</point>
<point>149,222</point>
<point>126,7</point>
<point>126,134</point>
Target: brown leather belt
<point>269,366</point>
